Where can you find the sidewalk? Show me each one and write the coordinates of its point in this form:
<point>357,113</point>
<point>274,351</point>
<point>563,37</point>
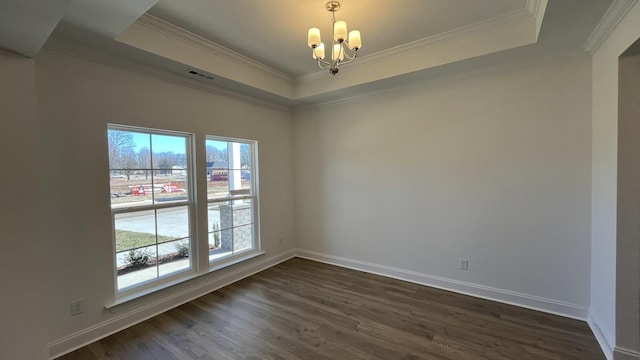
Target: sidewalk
<point>153,272</point>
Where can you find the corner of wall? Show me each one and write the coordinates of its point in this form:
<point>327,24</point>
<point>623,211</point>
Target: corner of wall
<point>605,343</point>
<point>158,305</point>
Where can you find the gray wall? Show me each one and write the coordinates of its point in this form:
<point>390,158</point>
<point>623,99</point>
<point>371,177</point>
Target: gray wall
<point>607,313</point>
<point>628,231</point>
<point>76,101</point>
<point>23,257</point>
<point>491,165</point>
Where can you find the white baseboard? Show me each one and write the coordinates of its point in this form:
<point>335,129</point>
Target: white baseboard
<point>486,292</point>
<point>147,309</point>
<point>605,343</point>
<point>143,310</point>
<point>625,354</point>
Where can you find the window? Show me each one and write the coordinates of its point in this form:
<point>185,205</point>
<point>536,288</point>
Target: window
<point>231,196</point>
<point>151,204</point>
<point>153,207</point>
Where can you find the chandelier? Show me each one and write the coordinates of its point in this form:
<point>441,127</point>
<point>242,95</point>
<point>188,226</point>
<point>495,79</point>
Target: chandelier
<point>344,49</point>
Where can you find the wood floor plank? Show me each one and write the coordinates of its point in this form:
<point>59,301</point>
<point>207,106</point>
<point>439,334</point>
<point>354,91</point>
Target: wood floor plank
<point>302,309</point>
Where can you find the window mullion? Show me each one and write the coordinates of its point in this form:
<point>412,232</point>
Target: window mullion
<point>150,207</point>
<point>155,215</point>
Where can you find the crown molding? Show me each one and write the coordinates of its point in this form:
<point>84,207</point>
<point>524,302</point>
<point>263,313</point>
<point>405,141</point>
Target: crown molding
<point>162,26</point>
<point>534,7</point>
<point>69,48</point>
<point>529,12</point>
<point>609,21</point>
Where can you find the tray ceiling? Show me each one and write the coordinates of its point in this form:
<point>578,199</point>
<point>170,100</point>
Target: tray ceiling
<point>275,32</point>
<point>258,48</point>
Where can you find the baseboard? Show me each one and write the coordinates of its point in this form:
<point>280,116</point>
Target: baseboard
<point>485,292</point>
<point>138,314</point>
<point>603,340</point>
<point>625,354</point>
<point>141,311</point>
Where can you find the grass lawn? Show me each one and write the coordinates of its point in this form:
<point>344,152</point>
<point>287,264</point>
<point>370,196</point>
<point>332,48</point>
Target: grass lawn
<point>126,240</point>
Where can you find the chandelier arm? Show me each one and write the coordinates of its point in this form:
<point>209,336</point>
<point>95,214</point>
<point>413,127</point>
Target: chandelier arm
<point>350,56</point>
<point>324,63</point>
<point>349,46</point>
<point>350,59</point>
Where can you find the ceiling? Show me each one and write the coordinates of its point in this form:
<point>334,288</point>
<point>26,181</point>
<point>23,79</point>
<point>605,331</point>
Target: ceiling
<point>275,32</point>
<point>259,48</point>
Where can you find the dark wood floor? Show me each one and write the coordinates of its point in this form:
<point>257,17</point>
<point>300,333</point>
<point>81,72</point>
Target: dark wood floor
<point>302,309</point>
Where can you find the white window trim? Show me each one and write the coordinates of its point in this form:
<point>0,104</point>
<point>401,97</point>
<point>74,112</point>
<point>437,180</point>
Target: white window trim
<point>197,268</point>
<point>255,197</point>
<point>163,281</point>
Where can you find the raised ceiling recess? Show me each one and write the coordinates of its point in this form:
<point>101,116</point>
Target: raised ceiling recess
<point>258,45</point>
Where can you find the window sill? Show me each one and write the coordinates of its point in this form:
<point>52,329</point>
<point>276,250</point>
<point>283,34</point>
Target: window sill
<point>122,300</point>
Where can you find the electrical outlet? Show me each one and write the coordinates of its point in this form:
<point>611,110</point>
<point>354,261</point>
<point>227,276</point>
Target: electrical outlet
<point>77,307</point>
<point>463,264</point>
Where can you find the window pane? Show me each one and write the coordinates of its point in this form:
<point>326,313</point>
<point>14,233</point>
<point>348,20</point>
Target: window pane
<point>168,151</point>
<point>246,182</point>
<point>170,188</point>
<point>215,241</point>
<point>135,230</point>
<point>217,183</point>
<point>173,257</point>
<point>235,180</point>
<point>124,149</point>
<point>120,190</point>
<point>173,223</point>
<point>229,166</point>
<point>135,247</point>
<point>242,212</point>
<point>137,193</point>
<point>139,257</point>
<point>217,152</point>
<point>213,214</point>
<point>226,240</point>
<point>235,166</point>
<point>136,266</point>
<point>129,160</point>
<point>245,156</point>
<point>170,168</point>
<point>242,238</point>
<point>217,252</point>
<point>144,158</point>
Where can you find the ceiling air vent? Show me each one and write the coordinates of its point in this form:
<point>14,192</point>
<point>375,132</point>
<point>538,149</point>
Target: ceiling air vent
<point>199,74</point>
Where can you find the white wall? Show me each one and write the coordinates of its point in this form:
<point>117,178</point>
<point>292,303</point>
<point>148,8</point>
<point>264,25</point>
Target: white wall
<point>603,218</point>
<point>23,261</point>
<point>618,329</point>
<point>492,165</point>
<point>628,231</point>
<point>77,99</point>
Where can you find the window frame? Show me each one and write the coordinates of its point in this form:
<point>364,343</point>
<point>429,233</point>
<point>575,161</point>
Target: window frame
<point>160,281</point>
<point>199,261</point>
<point>254,196</point>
